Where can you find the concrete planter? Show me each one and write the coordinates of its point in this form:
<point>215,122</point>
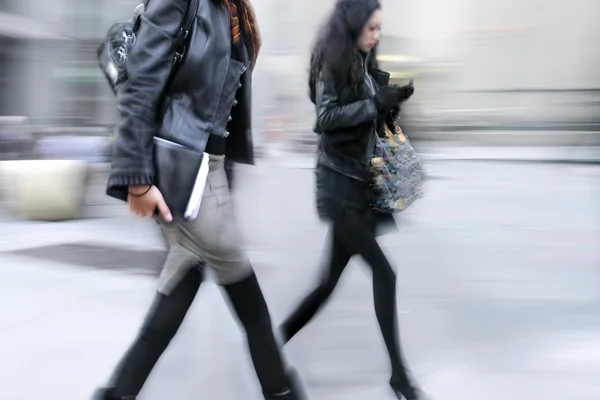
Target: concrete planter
<point>46,190</point>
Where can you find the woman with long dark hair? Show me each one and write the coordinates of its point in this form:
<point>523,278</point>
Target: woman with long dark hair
<point>204,105</point>
<point>353,100</point>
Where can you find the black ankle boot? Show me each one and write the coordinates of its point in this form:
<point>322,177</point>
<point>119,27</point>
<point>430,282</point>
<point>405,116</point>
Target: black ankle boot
<point>287,395</point>
<point>105,394</point>
<point>409,394</point>
<point>295,391</point>
<point>405,390</point>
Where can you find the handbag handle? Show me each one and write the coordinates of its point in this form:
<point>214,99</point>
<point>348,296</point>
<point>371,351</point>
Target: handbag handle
<point>397,132</point>
<point>388,131</point>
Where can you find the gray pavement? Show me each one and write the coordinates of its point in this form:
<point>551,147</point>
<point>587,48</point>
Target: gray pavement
<point>498,293</point>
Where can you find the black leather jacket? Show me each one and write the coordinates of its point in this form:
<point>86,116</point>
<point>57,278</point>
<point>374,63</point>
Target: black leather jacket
<point>208,94</point>
<point>347,122</point>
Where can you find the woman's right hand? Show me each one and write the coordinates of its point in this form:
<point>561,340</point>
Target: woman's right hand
<point>146,201</point>
<point>387,98</point>
<point>390,96</point>
<point>405,92</point>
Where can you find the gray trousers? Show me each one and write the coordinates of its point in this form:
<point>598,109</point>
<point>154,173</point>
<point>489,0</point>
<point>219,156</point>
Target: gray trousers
<point>212,240</point>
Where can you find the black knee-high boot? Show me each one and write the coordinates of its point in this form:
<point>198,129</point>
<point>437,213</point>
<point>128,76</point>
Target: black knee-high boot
<point>251,309</point>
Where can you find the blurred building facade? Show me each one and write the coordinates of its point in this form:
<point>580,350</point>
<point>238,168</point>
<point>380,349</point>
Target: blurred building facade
<point>501,55</point>
<point>48,60</point>
<point>514,63</point>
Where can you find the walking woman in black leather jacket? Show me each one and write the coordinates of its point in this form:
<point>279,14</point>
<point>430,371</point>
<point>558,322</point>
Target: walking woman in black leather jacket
<point>353,100</point>
<point>204,105</point>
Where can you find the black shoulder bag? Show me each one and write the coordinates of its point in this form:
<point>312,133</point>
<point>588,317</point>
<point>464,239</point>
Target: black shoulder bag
<point>112,53</point>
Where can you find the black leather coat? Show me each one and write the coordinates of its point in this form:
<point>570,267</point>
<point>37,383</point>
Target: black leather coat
<point>347,122</point>
<point>208,93</point>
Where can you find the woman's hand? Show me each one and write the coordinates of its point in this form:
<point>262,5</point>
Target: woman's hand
<point>387,98</point>
<point>405,92</point>
<point>390,96</point>
<point>146,200</point>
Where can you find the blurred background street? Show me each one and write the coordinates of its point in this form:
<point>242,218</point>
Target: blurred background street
<point>498,265</point>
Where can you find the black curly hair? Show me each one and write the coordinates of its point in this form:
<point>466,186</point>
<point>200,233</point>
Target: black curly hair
<point>335,47</point>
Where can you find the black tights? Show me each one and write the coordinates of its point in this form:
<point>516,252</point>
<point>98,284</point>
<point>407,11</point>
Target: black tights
<point>166,315</point>
<point>354,234</point>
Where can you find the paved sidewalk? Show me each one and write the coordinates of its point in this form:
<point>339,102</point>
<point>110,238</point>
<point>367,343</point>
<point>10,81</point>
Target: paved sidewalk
<point>67,327</point>
<point>498,294</point>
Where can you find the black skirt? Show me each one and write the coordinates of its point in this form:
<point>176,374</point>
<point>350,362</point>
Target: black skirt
<point>338,194</point>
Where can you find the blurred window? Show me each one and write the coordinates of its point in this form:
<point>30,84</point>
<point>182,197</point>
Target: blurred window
<point>86,90</point>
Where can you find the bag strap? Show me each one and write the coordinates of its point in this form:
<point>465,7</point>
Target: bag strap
<point>185,29</point>
<point>188,20</point>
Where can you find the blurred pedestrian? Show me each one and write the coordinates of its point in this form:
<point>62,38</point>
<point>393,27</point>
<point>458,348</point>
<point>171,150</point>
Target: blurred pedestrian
<point>208,101</point>
<point>353,100</point>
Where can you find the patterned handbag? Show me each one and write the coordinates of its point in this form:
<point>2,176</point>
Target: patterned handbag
<point>397,175</point>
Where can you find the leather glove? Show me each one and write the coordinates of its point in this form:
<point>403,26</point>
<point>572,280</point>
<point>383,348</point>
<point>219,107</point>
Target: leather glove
<point>405,92</point>
<point>387,98</point>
